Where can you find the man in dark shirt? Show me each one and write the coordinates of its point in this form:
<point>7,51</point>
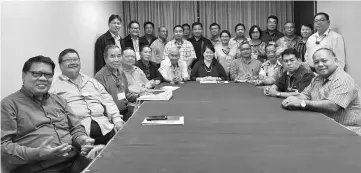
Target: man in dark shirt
<point>148,37</point>
<point>149,68</point>
<point>133,40</point>
<point>198,41</point>
<point>271,34</point>
<point>294,79</point>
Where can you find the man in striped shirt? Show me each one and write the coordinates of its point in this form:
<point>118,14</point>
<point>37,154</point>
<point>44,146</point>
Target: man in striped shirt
<point>333,93</point>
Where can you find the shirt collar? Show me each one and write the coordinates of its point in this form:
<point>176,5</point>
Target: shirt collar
<point>299,72</point>
<point>114,36</point>
<point>325,34</point>
<point>160,40</point>
<point>245,61</point>
<point>333,75</point>
<point>107,70</point>
<point>31,95</point>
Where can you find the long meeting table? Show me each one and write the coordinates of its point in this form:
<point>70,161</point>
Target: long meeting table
<point>229,128</point>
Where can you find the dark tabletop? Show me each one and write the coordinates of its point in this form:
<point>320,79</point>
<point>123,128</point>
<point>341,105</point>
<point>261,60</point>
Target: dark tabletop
<point>230,128</point>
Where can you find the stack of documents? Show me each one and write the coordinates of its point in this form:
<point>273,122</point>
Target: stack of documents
<point>172,88</point>
<point>203,82</point>
<point>171,120</point>
<point>157,95</point>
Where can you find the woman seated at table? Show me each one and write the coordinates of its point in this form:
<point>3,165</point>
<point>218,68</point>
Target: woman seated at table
<point>208,69</point>
<point>225,52</point>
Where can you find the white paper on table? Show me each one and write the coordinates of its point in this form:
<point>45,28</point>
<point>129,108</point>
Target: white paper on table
<point>172,120</point>
<point>172,88</point>
<point>204,82</point>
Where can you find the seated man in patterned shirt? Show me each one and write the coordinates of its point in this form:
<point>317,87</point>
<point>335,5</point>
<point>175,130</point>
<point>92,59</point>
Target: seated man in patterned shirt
<point>294,79</point>
<point>39,132</point>
<point>333,92</point>
<point>173,69</point>
<point>270,67</point>
<point>87,98</point>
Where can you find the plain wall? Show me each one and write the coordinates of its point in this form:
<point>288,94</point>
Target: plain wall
<point>344,17</point>
<point>47,28</point>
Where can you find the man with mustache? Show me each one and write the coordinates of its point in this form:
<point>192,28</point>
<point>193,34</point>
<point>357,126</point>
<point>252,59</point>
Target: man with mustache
<point>293,80</point>
<point>112,77</point>
<point>87,98</point>
<point>39,132</point>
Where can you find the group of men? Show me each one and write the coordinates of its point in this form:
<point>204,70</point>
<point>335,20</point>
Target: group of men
<point>57,124</point>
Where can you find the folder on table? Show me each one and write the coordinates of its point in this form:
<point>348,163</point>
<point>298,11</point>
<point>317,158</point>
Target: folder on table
<point>171,120</point>
<point>157,95</point>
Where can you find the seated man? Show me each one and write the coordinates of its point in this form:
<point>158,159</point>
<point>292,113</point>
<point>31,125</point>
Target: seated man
<point>294,79</point>
<point>333,92</point>
<point>87,98</point>
<point>245,67</point>
<point>172,69</point>
<point>149,68</point>
<point>138,83</point>
<point>114,81</point>
<point>39,132</point>
<point>270,67</point>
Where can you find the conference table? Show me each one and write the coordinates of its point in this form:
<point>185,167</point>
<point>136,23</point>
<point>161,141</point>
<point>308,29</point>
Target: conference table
<point>229,128</point>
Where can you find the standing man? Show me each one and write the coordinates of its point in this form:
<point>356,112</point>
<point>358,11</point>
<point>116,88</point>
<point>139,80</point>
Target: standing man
<point>333,92</point>
<point>290,39</point>
<point>215,28</point>
<point>158,45</point>
<point>325,37</point>
<point>111,37</point>
<point>271,34</point>
<point>186,50</point>
<point>87,98</point>
<point>186,31</point>
<point>39,132</point>
<point>148,37</point>
<point>132,40</point>
<point>198,41</point>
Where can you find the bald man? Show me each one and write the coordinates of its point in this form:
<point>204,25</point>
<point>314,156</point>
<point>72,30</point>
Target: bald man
<point>173,69</point>
<point>333,92</point>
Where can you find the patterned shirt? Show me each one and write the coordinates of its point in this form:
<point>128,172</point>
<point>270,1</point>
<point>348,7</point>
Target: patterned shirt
<point>330,39</point>
<point>169,72</point>
<point>300,46</point>
<point>286,43</point>
<point>89,101</point>
<point>216,41</point>
<point>240,68</point>
<point>340,89</point>
<point>237,43</point>
<point>157,50</point>
<point>225,56</point>
<point>268,69</point>
<point>185,48</point>
<point>259,51</point>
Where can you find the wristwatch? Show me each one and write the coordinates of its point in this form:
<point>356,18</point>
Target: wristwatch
<point>278,94</point>
<point>303,103</point>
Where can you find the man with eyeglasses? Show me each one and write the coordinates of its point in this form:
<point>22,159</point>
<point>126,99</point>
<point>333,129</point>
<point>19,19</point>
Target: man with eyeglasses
<point>39,132</point>
<point>325,38</point>
<point>133,40</point>
<point>87,98</point>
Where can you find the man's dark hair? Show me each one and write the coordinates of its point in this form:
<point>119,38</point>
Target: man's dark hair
<point>177,27</point>
<point>38,59</point>
<point>148,22</point>
<point>308,25</point>
<point>239,24</point>
<point>268,45</point>
<point>322,13</point>
<point>273,17</point>
<point>186,24</point>
<point>131,22</point>
<point>290,51</point>
<point>66,51</point>
<point>197,23</point>
<point>144,46</point>
<point>252,29</point>
<point>225,31</point>
<point>214,24</point>
<point>114,16</point>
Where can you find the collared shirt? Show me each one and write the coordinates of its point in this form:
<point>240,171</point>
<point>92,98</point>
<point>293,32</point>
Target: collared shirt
<point>268,69</point>
<point>116,40</point>
<point>259,51</point>
<point>89,101</point>
<point>115,84</point>
<point>241,67</point>
<point>136,79</point>
<point>157,50</point>
<point>286,43</point>
<point>201,70</point>
<point>169,72</point>
<point>136,47</point>
<point>300,46</point>
<point>236,43</point>
<point>150,70</point>
<point>26,123</point>
<point>198,46</point>
<point>225,56</point>
<point>216,41</point>
<point>330,39</point>
<point>269,38</point>
<point>145,40</point>
<point>186,50</point>
<point>295,82</point>
<point>281,70</point>
<point>340,89</point>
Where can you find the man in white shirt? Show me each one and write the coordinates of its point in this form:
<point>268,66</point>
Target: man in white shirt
<point>325,38</point>
<point>173,69</point>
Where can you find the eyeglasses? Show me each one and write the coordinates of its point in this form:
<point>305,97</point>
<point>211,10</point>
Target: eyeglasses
<point>320,20</point>
<point>38,74</point>
<point>71,60</point>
